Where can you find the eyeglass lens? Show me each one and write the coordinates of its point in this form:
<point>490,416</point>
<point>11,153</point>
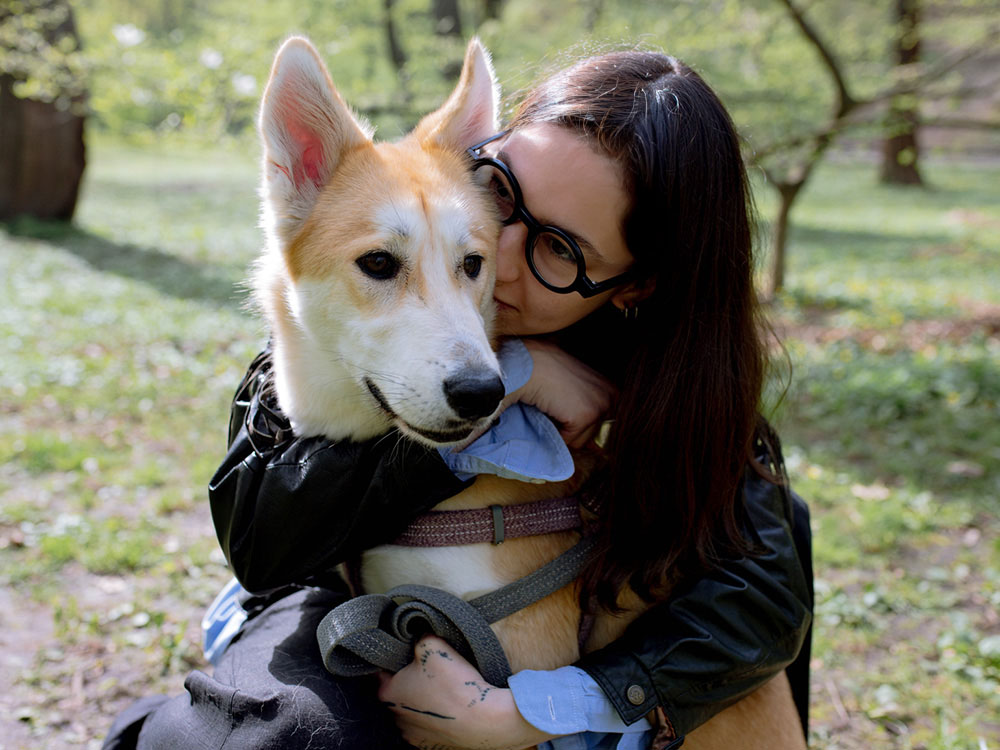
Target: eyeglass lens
<point>550,254</point>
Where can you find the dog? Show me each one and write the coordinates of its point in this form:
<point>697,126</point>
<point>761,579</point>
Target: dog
<point>377,283</point>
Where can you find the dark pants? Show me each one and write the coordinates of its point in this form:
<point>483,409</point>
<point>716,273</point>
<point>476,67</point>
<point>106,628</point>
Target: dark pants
<point>269,690</point>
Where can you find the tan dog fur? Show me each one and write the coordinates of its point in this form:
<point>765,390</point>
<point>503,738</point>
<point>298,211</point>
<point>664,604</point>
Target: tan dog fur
<point>331,195</point>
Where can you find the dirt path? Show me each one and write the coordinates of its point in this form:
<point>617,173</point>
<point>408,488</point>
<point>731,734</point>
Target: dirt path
<point>25,627</point>
<point>68,668</point>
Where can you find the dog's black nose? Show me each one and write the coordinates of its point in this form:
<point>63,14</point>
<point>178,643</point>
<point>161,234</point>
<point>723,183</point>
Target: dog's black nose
<point>474,393</point>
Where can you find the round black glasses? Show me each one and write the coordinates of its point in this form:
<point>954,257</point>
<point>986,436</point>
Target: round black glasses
<point>553,256</point>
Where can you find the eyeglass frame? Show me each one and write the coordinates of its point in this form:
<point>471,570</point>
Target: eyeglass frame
<point>582,284</point>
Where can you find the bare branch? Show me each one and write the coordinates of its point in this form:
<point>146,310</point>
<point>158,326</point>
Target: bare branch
<point>828,131</point>
<point>845,102</point>
<point>865,111</point>
<point>963,92</point>
<point>769,175</point>
<point>959,123</point>
<point>833,130</point>
<point>939,71</point>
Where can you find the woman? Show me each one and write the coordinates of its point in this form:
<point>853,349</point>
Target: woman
<point>626,242</point>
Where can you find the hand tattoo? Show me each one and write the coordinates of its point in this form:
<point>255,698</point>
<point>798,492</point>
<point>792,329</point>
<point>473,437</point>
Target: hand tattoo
<point>426,713</point>
<point>430,652</point>
<point>483,692</point>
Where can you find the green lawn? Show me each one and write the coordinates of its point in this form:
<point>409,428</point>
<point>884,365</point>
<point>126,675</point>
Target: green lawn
<point>124,337</point>
<point>892,428</point>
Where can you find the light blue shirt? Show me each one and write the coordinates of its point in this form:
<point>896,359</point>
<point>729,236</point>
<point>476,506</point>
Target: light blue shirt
<point>522,444</point>
<point>568,701</point>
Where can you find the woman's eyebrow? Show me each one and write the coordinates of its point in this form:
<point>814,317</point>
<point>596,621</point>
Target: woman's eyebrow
<point>588,250</point>
<point>586,246</point>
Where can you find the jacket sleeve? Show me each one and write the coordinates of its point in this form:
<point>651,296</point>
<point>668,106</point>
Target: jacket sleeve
<point>288,509</point>
<point>721,636</point>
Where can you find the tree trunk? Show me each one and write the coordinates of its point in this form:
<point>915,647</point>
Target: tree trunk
<point>492,8</point>
<point>798,175</point>
<point>42,152</point>
<point>900,149</point>
<point>594,10</point>
<point>788,191</point>
<point>42,157</point>
<point>447,21</point>
<point>397,55</point>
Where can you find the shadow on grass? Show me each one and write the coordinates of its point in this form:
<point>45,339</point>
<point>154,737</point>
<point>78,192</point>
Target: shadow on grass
<point>167,273</point>
<point>861,245</point>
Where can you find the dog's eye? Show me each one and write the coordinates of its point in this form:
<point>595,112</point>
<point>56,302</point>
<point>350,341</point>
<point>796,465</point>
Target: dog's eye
<point>472,265</point>
<point>379,265</point>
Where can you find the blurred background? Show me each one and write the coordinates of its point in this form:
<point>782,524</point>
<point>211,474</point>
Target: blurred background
<point>128,213</point>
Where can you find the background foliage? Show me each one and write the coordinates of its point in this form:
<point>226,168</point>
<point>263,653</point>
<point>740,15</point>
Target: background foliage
<point>125,334</point>
<point>164,66</point>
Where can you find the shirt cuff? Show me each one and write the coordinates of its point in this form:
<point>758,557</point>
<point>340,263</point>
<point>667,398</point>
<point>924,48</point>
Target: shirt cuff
<point>567,701</point>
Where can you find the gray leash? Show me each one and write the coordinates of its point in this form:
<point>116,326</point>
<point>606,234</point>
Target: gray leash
<point>373,632</point>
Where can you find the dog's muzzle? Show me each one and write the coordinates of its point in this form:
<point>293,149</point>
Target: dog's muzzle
<point>472,396</point>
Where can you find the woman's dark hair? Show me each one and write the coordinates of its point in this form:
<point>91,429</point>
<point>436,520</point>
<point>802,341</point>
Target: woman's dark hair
<point>691,364</point>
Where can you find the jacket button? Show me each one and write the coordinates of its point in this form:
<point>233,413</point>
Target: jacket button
<point>636,695</point>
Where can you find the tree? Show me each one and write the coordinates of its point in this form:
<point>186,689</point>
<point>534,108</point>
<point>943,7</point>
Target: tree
<point>900,149</point>
<point>492,8</point>
<point>791,180</point>
<point>788,163</point>
<point>447,20</point>
<point>448,23</point>
<point>397,55</point>
<point>42,110</point>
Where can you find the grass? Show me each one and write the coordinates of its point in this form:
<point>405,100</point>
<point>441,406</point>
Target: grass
<point>892,422</point>
<point>124,338</point>
<point>125,335</point>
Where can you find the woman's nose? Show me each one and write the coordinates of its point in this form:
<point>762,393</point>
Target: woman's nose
<point>510,252</point>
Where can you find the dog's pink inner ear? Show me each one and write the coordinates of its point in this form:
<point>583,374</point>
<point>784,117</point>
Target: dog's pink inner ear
<point>310,161</point>
<point>303,144</point>
<point>306,150</point>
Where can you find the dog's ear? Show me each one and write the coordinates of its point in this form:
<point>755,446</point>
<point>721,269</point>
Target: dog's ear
<point>306,128</point>
<point>470,113</point>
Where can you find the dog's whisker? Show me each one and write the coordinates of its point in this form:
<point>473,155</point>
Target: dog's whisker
<point>387,436</point>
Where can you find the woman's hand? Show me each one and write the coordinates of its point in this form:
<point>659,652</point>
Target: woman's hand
<point>441,702</point>
<point>573,395</point>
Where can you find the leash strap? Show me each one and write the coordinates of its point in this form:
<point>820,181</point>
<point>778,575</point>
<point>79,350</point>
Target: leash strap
<point>536,585</point>
<point>373,631</point>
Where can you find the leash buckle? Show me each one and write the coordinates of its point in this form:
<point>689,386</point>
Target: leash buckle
<point>498,529</point>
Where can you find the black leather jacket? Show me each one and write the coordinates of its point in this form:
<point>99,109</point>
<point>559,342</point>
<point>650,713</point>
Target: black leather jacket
<point>288,509</point>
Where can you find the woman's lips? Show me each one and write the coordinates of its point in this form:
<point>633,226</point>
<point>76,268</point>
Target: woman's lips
<point>501,305</point>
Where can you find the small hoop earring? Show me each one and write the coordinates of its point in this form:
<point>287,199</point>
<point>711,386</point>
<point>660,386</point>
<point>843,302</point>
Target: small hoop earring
<point>630,312</point>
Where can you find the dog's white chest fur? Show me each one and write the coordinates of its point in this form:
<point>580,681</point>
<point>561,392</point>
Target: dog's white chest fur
<point>467,571</point>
